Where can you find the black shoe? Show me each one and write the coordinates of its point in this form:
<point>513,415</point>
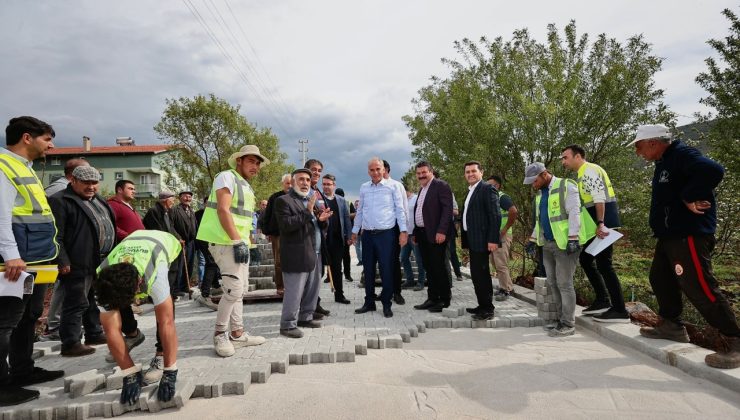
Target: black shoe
<point>437,307</point>
<point>482,316</point>
<point>13,395</point>
<point>365,308</point>
<point>326,280</point>
<point>318,316</point>
<point>309,324</point>
<point>473,310</point>
<point>341,299</point>
<point>387,312</point>
<point>399,299</point>
<point>38,376</point>
<point>359,264</point>
<point>97,340</point>
<point>349,278</point>
<point>596,308</point>
<point>376,297</point>
<point>408,285</point>
<point>426,305</point>
<point>321,310</point>
<point>613,316</point>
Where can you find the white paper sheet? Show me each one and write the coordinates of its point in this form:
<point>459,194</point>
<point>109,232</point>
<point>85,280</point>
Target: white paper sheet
<point>599,244</point>
<point>12,288</point>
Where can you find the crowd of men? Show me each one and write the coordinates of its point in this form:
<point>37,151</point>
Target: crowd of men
<point>109,257</point>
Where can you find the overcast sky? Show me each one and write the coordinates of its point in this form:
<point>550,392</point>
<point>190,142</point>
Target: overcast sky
<point>338,73</point>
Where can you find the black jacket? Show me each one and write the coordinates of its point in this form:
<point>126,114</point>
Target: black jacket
<point>268,222</point>
<point>297,234</point>
<point>483,218</point>
<point>154,220</point>
<point>683,174</point>
<point>185,224</point>
<point>77,233</point>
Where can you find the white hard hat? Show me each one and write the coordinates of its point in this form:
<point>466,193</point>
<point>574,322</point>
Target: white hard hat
<point>651,131</point>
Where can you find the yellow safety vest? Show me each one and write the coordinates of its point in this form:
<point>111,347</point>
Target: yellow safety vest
<point>559,217</point>
<point>145,249</point>
<point>586,199</point>
<point>32,222</point>
<point>242,207</point>
<point>504,213</point>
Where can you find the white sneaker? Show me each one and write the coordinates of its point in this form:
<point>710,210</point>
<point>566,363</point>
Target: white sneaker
<point>207,302</point>
<point>154,373</point>
<point>223,345</point>
<point>246,340</point>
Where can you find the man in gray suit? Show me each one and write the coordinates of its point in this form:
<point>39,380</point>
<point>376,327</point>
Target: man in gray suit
<point>338,235</point>
<point>299,223</point>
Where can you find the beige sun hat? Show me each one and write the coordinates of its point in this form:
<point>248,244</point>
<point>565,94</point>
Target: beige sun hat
<point>249,149</point>
<point>649,132</point>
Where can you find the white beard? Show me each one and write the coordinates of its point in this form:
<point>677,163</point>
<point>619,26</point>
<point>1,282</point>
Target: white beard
<point>300,193</point>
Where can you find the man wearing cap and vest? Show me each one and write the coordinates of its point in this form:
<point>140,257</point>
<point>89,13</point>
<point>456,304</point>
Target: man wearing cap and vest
<point>500,257</point>
<point>683,216</point>
<point>561,228</point>
<point>27,237</point>
<point>226,225</point>
<point>597,196</point>
<point>137,268</point>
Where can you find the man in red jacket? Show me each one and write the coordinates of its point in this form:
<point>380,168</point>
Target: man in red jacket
<point>127,219</point>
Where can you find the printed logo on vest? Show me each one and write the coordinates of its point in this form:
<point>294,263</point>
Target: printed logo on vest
<point>678,269</point>
<point>663,177</point>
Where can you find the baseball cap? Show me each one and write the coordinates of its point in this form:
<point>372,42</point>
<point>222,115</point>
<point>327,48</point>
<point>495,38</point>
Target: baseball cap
<point>532,171</point>
<point>650,131</point>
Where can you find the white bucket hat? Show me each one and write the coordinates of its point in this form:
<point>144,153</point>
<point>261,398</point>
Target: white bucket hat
<point>249,149</point>
<point>651,131</point>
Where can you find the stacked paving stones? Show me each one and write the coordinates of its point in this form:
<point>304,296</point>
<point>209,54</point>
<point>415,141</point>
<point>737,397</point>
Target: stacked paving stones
<point>344,336</point>
<point>261,277</point>
<point>546,309</point>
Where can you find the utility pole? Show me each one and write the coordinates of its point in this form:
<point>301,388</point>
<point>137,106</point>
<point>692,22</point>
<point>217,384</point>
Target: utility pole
<point>303,148</point>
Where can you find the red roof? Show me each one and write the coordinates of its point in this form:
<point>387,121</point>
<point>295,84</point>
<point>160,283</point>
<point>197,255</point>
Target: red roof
<point>110,150</point>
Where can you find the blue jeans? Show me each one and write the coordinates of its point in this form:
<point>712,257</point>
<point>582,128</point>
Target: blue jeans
<point>406,261</point>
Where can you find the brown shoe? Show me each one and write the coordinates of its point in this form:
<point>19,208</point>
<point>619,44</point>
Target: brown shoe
<point>726,360</point>
<point>667,330</point>
<point>98,340</point>
<point>77,350</point>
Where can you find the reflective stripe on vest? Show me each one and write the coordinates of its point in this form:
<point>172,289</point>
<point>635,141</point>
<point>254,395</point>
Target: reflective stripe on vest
<point>586,199</point>
<point>558,216</point>
<point>241,209</point>
<point>145,250</point>
<point>38,243</point>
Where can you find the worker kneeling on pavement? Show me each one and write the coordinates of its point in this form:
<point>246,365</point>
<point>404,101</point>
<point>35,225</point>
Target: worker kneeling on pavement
<point>137,268</point>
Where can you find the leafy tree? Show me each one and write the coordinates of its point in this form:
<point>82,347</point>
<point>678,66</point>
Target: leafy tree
<point>205,132</point>
<point>723,84</point>
<point>510,103</point>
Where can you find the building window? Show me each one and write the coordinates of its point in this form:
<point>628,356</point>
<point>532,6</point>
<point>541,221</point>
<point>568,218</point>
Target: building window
<point>145,205</point>
<point>145,179</point>
<point>55,161</point>
<point>119,176</point>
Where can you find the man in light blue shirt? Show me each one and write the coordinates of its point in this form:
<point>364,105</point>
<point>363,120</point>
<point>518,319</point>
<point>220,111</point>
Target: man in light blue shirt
<point>382,208</point>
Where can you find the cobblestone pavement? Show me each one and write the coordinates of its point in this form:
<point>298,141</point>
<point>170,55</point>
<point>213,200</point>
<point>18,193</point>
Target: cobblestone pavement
<point>202,374</point>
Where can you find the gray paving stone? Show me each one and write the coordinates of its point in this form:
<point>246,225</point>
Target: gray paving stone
<point>462,323</point>
<point>392,341</point>
<point>87,384</point>
<point>260,372</point>
<point>183,393</point>
<point>115,380</point>
<point>450,312</point>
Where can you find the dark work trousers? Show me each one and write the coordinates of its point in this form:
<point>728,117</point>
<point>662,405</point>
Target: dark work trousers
<point>433,258</point>
<point>172,281</point>
<point>278,277</point>
<point>183,283</point>
<point>454,260</point>
<point>173,274</point>
<point>377,246</point>
<point>347,262</point>
<point>685,265</point>
<point>79,310</point>
<point>539,256</point>
<point>480,271</point>
<point>128,321</point>
<point>602,277</point>
<point>210,272</point>
<point>336,250</point>
<point>17,330</point>
<point>397,278</point>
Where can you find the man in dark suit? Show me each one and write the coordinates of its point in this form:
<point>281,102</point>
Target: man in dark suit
<point>432,218</point>
<point>338,235</point>
<point>300,254</point>
<point>481,221</point>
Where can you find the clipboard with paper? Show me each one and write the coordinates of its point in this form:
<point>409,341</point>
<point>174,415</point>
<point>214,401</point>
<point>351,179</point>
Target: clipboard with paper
<point>600,244</point>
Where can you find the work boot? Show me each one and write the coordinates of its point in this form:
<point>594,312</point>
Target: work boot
<point>726,360</point>
<point>667,330</point>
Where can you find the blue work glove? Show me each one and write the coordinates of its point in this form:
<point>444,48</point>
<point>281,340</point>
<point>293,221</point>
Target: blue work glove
<point>572,247</point>
<point>241,253</point>
<point>131,387</point>
<point>530,248</point>
<point>167,385</point>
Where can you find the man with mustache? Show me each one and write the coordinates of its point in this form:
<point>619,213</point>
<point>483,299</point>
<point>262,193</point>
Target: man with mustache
<point>300,254</point>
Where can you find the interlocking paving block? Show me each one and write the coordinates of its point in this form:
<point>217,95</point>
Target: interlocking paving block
<point>501,322</point>
<point>146,392</point>
<point>235,384</point>
<point>36,354</point>
<point>260,372</point>
<point>296,356</point>
<point>48,346</point>
<point>45,413</point>
<point>475,323</point>
<point>540,281</point>
<point>441,323</point>
<point>450,312</point>
<point>373,342</point>
<point>537,322</point>
<point>279,362</point>
<point>182,395</point>
<point>346,353</point>
<point>550,298</point>
<point>393,341</point>
<point>84,385</point>
<point>462,323</point>
<point>519,321</point>
<point>88,374</point>
<point>414,331</point>
<point>115,380</point>
<point>405,335</point>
